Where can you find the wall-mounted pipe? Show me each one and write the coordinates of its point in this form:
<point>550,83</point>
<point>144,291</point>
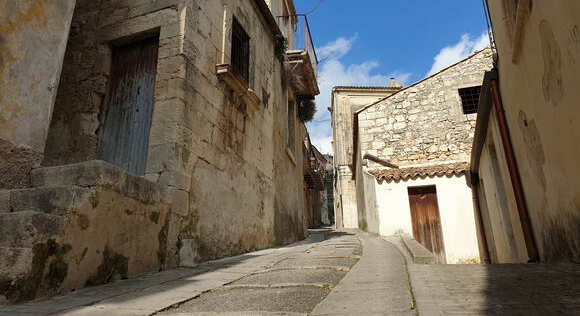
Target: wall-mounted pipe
<point>529,238</point>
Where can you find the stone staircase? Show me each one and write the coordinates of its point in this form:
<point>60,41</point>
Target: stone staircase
<point>34,220</point>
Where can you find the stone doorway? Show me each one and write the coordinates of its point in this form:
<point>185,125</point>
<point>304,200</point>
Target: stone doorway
<point>128,107</point>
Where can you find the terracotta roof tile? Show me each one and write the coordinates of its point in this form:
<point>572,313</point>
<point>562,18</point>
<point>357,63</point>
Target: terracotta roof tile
<point>422,171</point>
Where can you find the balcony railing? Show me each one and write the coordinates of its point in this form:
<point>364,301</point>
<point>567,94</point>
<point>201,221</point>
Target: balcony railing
<point>301,38</point>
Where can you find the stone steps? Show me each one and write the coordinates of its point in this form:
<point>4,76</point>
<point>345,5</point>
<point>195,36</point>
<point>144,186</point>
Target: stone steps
<point>15,262</point>
<point>51,200</point>
<point>24,229</point>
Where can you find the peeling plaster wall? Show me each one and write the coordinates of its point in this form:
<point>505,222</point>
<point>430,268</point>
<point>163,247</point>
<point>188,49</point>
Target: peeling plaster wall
<point>33,37</point>
<point>540,95</point>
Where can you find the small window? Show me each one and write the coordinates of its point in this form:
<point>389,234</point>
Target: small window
<point>240,50</point>
<point>469,99</point>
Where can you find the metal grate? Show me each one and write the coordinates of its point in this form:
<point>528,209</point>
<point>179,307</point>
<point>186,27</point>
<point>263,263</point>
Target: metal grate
<point>241,50</point>
<point>470,99</point>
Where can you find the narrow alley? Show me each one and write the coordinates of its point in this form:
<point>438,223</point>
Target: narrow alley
<point>329,273</point>
<point>289,158</point>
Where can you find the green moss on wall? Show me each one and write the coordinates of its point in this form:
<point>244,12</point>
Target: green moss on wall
<point>113,265</point>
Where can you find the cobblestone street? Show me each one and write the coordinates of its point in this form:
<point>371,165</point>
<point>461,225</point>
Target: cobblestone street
<point>330,273</point>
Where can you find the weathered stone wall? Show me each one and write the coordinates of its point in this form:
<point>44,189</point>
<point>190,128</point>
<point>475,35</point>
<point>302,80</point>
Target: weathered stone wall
<point>237,187</point>
<point>540,95</point>
<point>424,123</point>
<point>33,35</point>
<point>83,224</point>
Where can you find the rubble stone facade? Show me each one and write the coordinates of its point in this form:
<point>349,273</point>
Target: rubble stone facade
<point>424,123</point>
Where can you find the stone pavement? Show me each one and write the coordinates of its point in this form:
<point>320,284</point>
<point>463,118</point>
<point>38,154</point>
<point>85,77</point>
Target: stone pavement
<point>330,273</point>
<point>506,289</point>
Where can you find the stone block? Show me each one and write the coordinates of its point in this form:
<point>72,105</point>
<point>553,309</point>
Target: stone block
<point>175,179</point>
<point>15,262</point>
<point>24,229</point>
<point>53,200</point>
<point>398,126</point>
<point>418,252</point>
<point>4,201</point>
<point>180,205</point>
<point>188,253</point>
<point>100,173</point>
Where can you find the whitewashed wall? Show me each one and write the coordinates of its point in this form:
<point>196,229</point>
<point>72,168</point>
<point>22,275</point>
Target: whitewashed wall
<point>455,209</point>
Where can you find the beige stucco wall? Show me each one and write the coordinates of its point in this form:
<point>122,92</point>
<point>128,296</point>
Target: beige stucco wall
<point>455,210</point>
<point>33,38</point>
<point>499,211</point>
<point>540,95</point>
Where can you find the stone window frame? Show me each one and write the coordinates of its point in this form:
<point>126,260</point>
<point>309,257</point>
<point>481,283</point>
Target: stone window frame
<point>240,34</point>
<point>226,72</point>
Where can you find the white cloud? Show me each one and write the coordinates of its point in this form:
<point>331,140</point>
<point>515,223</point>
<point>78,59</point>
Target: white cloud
<point>449,55</point>
<point>333,72</point>
<point>337,48</point>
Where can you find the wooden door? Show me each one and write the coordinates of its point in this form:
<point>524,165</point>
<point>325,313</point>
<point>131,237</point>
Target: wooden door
<point>128,108</point>
<point>426,220</point>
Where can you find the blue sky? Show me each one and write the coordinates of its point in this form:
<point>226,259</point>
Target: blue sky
<point>365,42</point>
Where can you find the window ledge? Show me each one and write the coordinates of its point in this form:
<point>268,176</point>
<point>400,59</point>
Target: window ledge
<point>226,73</point>
<point>291,156</point>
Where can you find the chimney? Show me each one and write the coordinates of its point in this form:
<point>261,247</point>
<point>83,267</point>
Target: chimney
<point>394,84</point>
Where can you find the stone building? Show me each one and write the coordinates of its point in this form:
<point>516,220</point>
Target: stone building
<point>171,137</point>
<point>313,182</point>
<point>524,164</point>
<point>411,151</point>
<point>329,184</point>
<point>345,101</point>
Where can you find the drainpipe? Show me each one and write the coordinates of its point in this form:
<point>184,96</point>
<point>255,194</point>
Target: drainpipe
<point>514,175</point>
<point>474,179</point>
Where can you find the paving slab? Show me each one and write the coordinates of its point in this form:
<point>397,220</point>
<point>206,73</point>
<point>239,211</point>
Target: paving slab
<point>376,285</point>
<point>507,289</point>
<point>293,299</point>
<point>147,294</point>
<point>293,276</point>
<point>339,263</point>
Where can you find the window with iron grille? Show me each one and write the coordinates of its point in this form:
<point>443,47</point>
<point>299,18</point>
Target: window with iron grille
<point>470,99</point>
<point>240,50</point>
